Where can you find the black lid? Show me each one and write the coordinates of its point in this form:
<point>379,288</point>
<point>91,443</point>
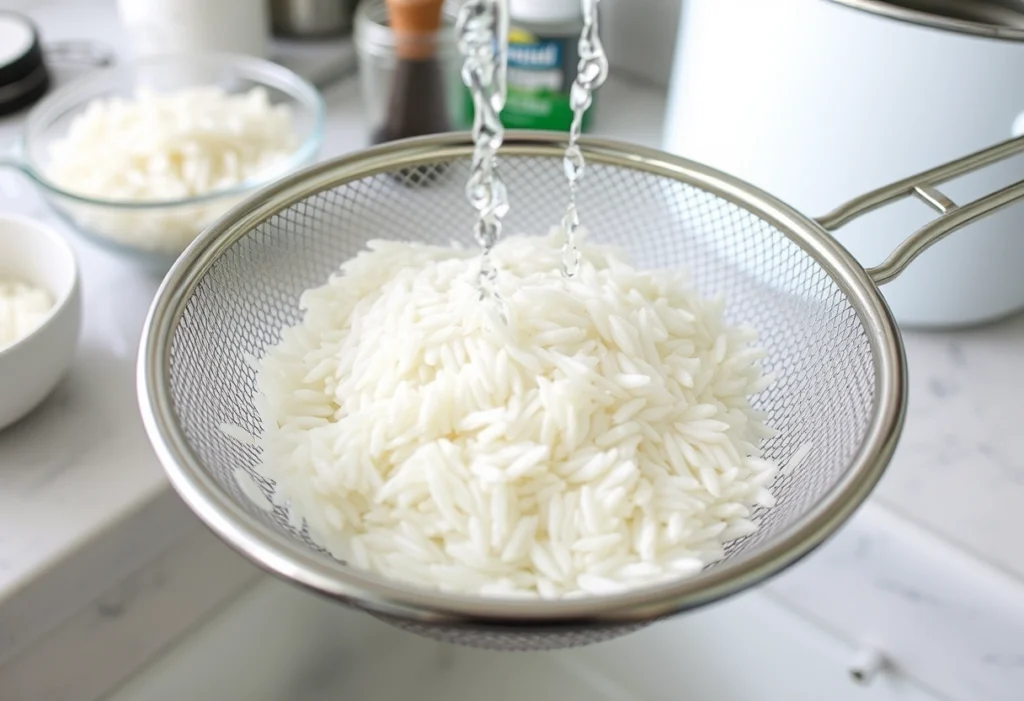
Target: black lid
<point>23,75</point>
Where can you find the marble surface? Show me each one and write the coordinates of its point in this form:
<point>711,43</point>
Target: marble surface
<point>75,469</point>
<point>333,653</point>
<point>78,476</point>
<point>131,621</point>
<point>932,611</point>
<point>959,469</point>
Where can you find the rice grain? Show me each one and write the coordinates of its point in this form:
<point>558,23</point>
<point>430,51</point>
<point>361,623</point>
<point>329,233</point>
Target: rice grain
<point>603,440</point>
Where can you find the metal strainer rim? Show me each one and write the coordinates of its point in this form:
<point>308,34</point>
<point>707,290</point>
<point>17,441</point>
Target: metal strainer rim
<point>293,562</point>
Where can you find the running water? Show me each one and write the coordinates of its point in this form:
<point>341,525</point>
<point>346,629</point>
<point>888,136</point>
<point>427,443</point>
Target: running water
<point>591,74</point>
<point>482,29</point>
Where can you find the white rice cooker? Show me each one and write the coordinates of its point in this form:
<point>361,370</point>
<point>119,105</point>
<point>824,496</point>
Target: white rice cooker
<point>817,101</point>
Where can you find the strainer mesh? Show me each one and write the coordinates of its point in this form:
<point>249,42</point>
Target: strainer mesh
<point>815,341</point>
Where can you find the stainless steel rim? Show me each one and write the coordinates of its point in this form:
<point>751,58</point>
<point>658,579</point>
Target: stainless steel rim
<point>990,19</point>
<point>284,558</point>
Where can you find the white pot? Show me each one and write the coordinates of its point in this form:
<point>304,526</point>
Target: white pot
<point>158,27</point>
<point>817,103</point>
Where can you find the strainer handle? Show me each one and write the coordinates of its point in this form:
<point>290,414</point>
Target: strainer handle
<point>924,186</point>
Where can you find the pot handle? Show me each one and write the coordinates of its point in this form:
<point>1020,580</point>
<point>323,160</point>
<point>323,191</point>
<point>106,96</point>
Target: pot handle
<point>924,186</point>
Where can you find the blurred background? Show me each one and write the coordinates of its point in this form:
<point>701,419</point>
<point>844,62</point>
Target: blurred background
<point>109,588</point>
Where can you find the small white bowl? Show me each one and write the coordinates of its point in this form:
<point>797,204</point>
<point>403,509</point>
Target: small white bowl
<point>32,367</point>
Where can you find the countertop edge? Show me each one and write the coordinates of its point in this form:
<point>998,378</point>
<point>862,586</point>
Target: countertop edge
<point>75,578</point>
<point>129,623</point>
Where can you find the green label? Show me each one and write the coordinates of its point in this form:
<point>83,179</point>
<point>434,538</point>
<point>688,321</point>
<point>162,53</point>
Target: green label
<point>540,73</point>
<point>528,109</point>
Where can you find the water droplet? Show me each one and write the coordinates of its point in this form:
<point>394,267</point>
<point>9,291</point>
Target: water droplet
<point>591,73</point>
<point>499,198</point>
<point>482,37</point>
<point>570,260</point>
<point>579,98</point>
<point>573,163</point>
<point>571,220</point>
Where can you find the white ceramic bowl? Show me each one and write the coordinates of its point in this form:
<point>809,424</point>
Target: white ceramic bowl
<point>31,368</point>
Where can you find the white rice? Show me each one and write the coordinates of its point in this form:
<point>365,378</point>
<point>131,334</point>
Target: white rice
<point>161,147</point>
<point>23,309</point>
<point>252,491</point>
<point>603,440</point>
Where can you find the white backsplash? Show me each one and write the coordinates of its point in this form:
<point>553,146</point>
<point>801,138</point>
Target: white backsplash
<point>640,36</point>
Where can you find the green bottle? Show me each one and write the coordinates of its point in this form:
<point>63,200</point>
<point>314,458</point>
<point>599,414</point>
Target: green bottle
<point>542,61</point>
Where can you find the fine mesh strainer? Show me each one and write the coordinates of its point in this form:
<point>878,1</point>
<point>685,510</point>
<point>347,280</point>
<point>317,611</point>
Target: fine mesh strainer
<point>827,331</point>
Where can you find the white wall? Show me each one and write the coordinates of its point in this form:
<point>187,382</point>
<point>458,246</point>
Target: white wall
<point>640,36</point>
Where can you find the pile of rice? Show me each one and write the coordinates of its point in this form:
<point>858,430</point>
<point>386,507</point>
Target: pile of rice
<point>603,440</point>
<point>161,147</point>
<point>23,309</point>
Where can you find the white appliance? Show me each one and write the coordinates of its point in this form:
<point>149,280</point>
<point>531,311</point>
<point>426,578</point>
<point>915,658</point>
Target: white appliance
<point>816,103</point>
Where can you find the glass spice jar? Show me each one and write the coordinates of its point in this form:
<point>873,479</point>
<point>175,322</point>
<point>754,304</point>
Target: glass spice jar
<point>409,93</point>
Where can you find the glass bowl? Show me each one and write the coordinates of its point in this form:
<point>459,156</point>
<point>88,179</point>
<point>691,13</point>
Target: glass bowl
<point>128,227</point>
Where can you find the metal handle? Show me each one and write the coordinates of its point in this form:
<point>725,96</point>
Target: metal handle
<point>972,18</point>
<point>924,186</point>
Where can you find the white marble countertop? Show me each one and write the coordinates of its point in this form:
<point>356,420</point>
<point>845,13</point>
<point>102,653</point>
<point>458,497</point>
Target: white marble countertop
<point>80,464</point>
<point>81,461</point>
<point>958,469</point>
<point>80,467</point>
